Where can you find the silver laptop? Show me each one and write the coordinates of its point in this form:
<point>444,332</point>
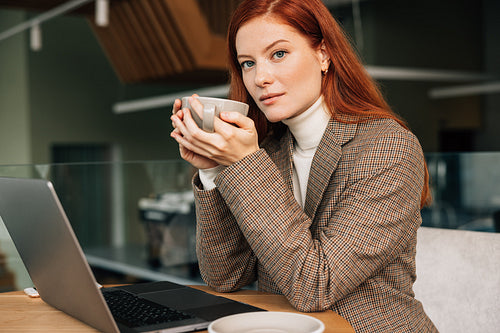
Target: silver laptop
<point>55,261</point>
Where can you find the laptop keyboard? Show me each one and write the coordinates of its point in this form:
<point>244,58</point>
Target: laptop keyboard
<point>134,311</point>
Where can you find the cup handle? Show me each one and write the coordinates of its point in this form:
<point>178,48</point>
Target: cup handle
<point>208,117</point>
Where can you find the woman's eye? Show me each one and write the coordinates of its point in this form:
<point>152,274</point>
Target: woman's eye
<point>279,54</point>
<point>247,64</point>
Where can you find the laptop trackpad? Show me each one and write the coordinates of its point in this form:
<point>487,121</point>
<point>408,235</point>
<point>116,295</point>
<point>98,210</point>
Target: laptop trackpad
<point>201,304</point>
<point>185,298</point>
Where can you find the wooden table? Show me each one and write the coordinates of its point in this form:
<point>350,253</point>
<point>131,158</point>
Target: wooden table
<point>19,313</point>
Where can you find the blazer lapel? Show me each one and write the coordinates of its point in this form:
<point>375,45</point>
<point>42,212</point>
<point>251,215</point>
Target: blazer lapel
<point>283,158</point>
<point>325,162</point>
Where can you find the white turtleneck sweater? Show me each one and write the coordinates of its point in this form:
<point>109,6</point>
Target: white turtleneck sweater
<point>307,130</point>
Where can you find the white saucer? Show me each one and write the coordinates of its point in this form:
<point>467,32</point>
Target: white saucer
<point>267,322</point>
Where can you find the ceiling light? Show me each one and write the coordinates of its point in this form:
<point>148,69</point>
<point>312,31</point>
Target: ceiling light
<point>36,37</point>
<point>102,13</point>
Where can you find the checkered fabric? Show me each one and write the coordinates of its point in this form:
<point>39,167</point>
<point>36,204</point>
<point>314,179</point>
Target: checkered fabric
<point>351,249</point>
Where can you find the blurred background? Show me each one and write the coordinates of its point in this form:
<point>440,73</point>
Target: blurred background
<point>86,96</point>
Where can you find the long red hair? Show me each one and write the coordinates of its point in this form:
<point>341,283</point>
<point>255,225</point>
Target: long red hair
<point>348,90</point>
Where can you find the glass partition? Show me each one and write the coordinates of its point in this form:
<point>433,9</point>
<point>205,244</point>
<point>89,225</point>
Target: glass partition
<point>466,191</point>
<point>135,220</point>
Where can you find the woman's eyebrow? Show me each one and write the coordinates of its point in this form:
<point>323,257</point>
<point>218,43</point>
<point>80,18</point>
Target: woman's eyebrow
<point>270,46</point>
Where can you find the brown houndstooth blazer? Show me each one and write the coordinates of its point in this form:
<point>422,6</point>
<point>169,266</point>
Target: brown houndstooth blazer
<point>351,249</point>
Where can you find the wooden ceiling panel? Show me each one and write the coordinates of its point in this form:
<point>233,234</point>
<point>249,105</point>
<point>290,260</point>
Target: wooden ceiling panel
<point>172,35</point>
<point>135,39</point>
<point>118,54</point>
<point>165,38</point>
<point>151,41</point>
<point>158,40</point>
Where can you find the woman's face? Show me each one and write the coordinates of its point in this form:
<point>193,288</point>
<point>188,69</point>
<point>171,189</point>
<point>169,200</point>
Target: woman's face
<point>280,69</point>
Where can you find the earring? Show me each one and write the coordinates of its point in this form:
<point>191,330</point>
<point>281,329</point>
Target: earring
<point>324,71</point>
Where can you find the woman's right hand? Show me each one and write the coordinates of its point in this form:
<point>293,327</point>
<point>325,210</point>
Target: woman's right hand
<point>196,160</point>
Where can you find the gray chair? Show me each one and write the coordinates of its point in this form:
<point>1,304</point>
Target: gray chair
<point>458,279</point>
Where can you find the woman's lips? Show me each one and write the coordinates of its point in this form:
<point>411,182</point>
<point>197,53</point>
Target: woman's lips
<point>270,98</point>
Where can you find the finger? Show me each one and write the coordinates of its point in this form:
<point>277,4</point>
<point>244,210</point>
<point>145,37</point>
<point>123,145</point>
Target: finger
<point>190,124</point>
<point>188,144</point>
<point>174,114</point>
<point>196,139</point>
<point>179,115</point>
<point>183,151</point>
<point>196,105</point>
<point>176,130</point>
<point>178,123</point>
<point>237,119</point>
<point>189,130</point>
<point>177,106</point>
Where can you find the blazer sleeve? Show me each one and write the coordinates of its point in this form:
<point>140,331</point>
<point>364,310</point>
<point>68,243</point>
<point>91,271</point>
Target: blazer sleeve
<point>225,258</point>
<point>371,223</point>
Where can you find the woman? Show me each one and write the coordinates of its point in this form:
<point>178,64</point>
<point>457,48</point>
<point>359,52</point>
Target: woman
<point>317,194</point>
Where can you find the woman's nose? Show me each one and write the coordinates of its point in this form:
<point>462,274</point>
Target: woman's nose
<point>263,75</point>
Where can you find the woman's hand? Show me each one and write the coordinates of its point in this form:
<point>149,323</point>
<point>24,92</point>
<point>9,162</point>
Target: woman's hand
<point>195,160</point>
<point>227,145</point>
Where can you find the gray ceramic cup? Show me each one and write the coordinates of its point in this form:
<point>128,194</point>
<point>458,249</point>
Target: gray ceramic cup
<point>211,108</point>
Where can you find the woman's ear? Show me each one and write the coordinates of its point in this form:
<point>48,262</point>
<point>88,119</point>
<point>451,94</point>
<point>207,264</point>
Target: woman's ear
<point>324,57</point>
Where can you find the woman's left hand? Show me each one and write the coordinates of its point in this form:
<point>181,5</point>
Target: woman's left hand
<point>226,145</point>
